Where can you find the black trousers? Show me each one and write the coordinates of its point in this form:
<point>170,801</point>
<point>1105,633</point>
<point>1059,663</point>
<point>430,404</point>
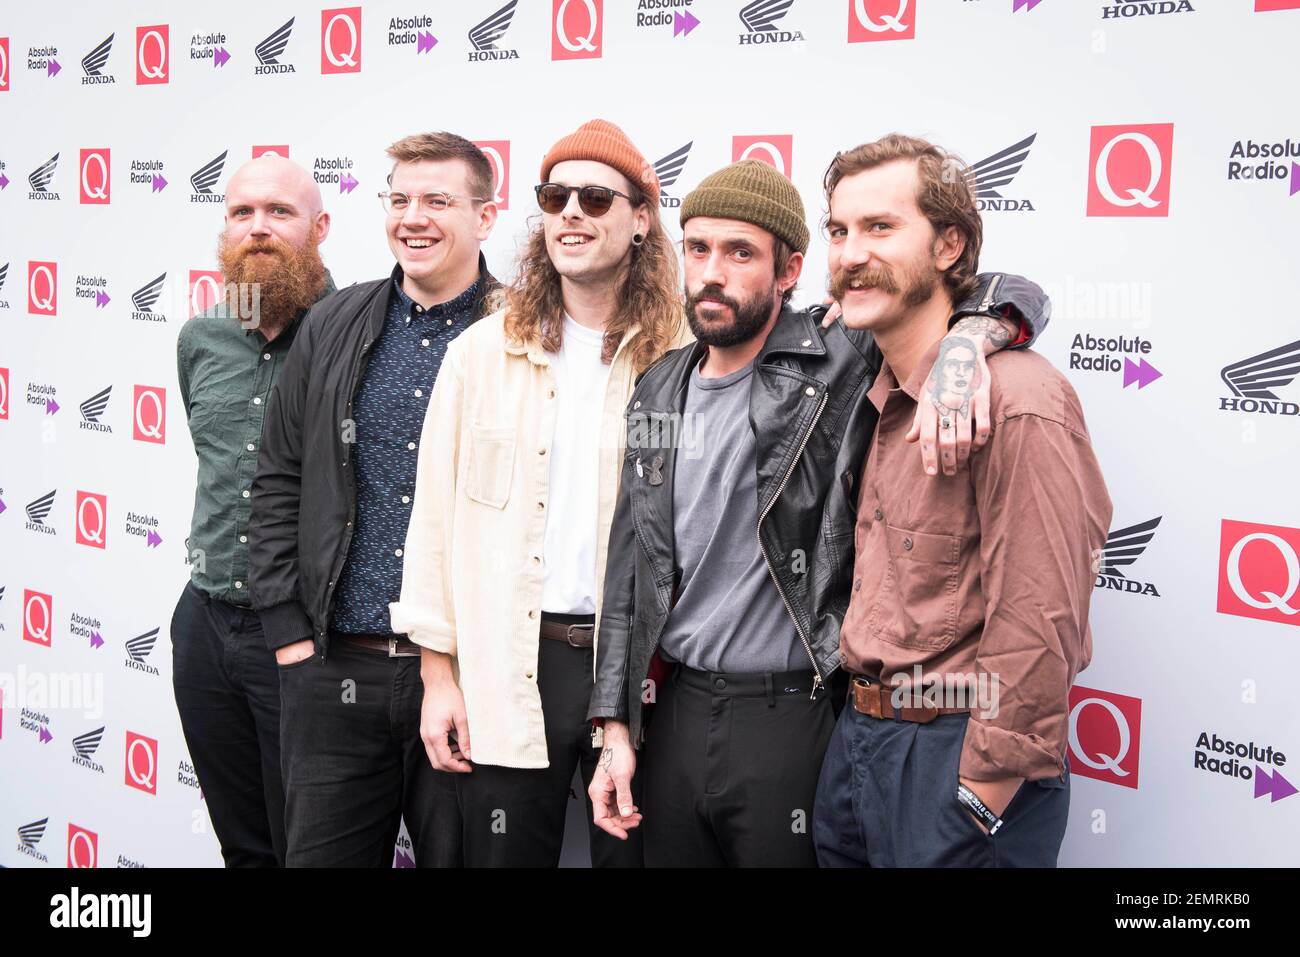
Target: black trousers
<point>228,696</point>
<point>888,798</point>
<point>514,817</point>
<point>731,765</point>
<point>354,764</point>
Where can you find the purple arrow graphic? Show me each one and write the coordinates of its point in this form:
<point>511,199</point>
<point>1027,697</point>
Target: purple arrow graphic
<point>101,299</point>
<point>1025,4</point>
<point>1295,179</point>
<point>1277,787</point>
<point>53,68</point>
<point>2,507</point>
<point>684,23</point>
<point>425,42</point>
<point>159,183</point>
<point>403,859</point>
<point>4,180</point>
<point>220,57</point>
<point>348,183</point>
<point>153,539</point>
<point>96,640</point>
<point>1141,372</point>
<point>51,407</point>
<point>46,737</point>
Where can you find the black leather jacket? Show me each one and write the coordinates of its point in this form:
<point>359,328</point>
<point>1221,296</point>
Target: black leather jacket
<point>304,495</point>
<point>808,401</point>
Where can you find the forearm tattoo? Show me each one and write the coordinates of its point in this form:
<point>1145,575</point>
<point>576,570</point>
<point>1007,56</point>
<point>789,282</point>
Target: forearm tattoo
<point>997,331</point>
<point>606,758</point>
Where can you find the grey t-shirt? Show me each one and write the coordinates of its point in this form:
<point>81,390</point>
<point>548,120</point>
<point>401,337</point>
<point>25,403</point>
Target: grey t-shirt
<point>729,616</point>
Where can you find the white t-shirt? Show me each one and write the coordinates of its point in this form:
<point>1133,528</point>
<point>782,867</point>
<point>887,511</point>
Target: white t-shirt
<point>569,572</point>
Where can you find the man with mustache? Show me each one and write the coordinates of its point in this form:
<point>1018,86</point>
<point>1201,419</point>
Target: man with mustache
<point>331,501</point>
<point>228,358</point>
<point>968,618</point>
<point>730,557</point>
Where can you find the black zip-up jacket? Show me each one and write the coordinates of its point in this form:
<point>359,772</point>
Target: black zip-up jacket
<point>813,422</point>
<point>304,495</point>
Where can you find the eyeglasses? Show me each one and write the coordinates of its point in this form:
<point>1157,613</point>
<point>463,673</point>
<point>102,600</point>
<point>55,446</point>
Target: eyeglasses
<point>594,200</point>
<point>396,204</point>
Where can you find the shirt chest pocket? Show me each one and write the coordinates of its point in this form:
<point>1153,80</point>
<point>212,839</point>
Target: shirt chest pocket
<point>925,570</point>
<point>491,465</point>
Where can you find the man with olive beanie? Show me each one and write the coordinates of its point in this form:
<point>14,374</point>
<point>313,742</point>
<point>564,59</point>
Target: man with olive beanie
<point>731,552</point>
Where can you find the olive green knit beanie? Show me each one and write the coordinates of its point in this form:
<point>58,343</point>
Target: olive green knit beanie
<point>752,192</point>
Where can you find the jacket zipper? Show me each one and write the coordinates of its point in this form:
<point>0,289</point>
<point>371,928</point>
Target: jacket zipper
<point>988,295</point>
<point>818,681</point>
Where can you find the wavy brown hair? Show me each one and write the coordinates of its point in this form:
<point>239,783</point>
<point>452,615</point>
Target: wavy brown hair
<point>649,295</point>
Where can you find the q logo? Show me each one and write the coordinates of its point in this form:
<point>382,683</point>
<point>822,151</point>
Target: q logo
<point>1129,170</point>
<point>777,150</point>
<point>92,511</point>
<point>4,393</point>
<point>38,617</point>
<point>1105,733</point>
<point>206,287</point>
<point>4,64</point>
<point>149,415</point>
<point>43,288</point>
<point>871,20</point>
<point>281,150</point>
<point>95,185</point>
<point>142,763</point>
<point>1259,571</point>
<point>498,155</point>
<point>83,847</point>
<point>576,29</point>
<point>340,40</point>
<point>152,48</point>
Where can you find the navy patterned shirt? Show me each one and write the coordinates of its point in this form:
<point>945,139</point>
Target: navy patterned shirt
<point>388,412</point>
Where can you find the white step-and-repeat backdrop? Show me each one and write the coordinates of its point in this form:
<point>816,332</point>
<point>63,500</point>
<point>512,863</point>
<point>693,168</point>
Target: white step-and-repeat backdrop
<point>1138,159</point>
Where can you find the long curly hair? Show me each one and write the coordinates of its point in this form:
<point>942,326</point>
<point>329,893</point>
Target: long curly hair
<point>649,295</point>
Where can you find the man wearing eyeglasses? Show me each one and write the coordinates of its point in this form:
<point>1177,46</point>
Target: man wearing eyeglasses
<point>515,496</point>
<point>330,505</point>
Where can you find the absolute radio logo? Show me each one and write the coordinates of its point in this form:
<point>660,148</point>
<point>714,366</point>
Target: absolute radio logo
<point>142,763</point>
<point>92,518</point>
<point>776,149</point>
<point>1259,571</point>
<point>996,172</point>
<point>207,288</point>
<point>86,626</point>
<point>210,46</point>
<point>37,722</point>
<point>1256,381</point>
<point>84,747</point>
<point>1089,353</point>
<point>498,156</point>
<point>95,179</point>
<point>1128,9</point>
<point>1129,170</point>
<point>340,40</point>
<point>762,20</point>
<point>38,617</point>
<point>269,51</point>
<point>40,179</point>
<point>1105,736</point>
<point>1246,761</point>
<point>42,288</point>
<point>94,288</point>
<point>40,59</point>
<point>204,181</point>
<point>92,411</point>
<point>29,836</point>
<point>576,29</point>
<point>666,13</point>
<point>1124,546</point>
<point>485,35</point>
<point>148,172</point>
<point>873,20</point>
<point>335,170</point>
<point>1248,160</point>
<point>93,63</point>
<point>149,414</point>
<point>138,650</point>
<point>38,511</point>
<point>668,169</point>
<point>83,847</point>
<point>145,299</point>
<point>412,31</point>
<point>152,54</point>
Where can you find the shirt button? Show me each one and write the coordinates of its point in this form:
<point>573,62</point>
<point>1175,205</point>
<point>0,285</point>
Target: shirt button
<point>637,404</point>
<point>411,446</point>
<point>257,400</point>
<point>406,500</point>
<point>448,322</point>
<point>541,451</point>
<point>907,544</point>
<point>239,584</point>
<point>528,675</point>
<point>537,559</point>
<point>244,493</point>
<point>720,683</point>
<point>880,516</point>
<point>419,392</point>
<point>398,553</point>
<point>810,391</point>
<point>424,342</point>
<point>550,393</point>
<point>243,539</point>
<point>532,613</point>
<point>250,446</point>
<point>266,355</point>
<point>540,506</point>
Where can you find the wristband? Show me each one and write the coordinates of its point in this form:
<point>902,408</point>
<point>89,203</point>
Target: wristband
<point>977,807</point>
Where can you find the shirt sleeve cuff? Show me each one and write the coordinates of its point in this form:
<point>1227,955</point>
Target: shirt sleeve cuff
<point>421,629</point>
<point>990,753</point>
<point>284,624</point>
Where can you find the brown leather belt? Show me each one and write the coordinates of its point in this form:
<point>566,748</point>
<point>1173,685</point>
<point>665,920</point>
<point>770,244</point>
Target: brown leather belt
<point>395,646</point>
<point>577,635</point>
<point>874,701</point>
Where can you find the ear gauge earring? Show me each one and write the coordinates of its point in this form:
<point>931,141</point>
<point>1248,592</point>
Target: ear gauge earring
<point>637,239</point>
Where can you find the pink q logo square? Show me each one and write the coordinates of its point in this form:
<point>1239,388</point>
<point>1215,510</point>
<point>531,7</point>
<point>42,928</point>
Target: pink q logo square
<point>149,414</point>
<point>776,149</point>
<point>1105,736</point>
<point>206,290</point>
<point>340,40</point>
<point>83,847</point>
<point>4,64</point>
<point>576,28</point>
<point>38,617</point>
<point>1128,170</point>
<point>141,763</point>
<point>280,150</point>
<point>43,288</point>
<point>872,20</point>
<point>1259,572</point>
<point>1263,6</point>
<point>92,518</point>
<point>95,166</point>
<point>4,394</point>
<point>152,53</point>
<point>498,156</point>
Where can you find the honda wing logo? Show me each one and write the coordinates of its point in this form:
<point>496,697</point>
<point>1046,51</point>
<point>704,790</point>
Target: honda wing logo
<point>93,63</point>
<point>994,172</point>
<point>138,648</point>
<point>761,15</point>
<point>31,834</point>
<point>484,35</point>
<point>668,168</point>
<point>39,509</point>
<point>1123,547</point>
<point>94,407</point>
<point>1258,376</point>
<point>206,178</point>
<point>146,296</point>
<point>43,174</point>
<point>269,50</point>
<point>87,744</point>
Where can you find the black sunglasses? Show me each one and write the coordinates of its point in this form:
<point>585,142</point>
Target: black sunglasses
<point>594,200</point>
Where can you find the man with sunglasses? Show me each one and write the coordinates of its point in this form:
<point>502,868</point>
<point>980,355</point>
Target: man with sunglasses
<point>330,505</point>
<point>515,495</point>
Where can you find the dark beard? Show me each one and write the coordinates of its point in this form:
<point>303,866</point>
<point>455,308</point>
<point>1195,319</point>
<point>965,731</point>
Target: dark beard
<point>288,283</point>
<point>750,318</point>
<point>917,285</point>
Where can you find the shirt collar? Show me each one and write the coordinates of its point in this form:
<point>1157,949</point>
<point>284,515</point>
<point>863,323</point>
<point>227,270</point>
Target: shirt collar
<point>415,312</point>
<point>887,382</point>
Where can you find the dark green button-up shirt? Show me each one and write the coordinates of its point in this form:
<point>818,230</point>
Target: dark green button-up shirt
<point>226,373</point>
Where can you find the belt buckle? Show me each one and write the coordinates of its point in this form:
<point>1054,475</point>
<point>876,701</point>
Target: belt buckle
<point>568,635</point>
<point>394,653</point>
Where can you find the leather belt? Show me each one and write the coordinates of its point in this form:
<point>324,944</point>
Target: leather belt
<point>395,646</point>
<point>576,634</point>
<point>874,701</point>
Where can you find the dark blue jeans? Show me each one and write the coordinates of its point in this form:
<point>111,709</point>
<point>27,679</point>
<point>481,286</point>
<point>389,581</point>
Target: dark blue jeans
<point>887,797</point>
